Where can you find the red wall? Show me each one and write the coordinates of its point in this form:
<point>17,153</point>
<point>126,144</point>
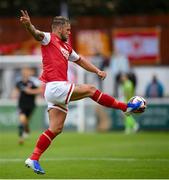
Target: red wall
<point>11,31</point>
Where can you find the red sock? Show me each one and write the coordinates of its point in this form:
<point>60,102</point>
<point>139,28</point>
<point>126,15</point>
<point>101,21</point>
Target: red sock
<point>108,101</point>
<point>43,143</point>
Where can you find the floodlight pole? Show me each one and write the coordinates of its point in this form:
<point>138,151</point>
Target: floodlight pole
<point>64,8</point>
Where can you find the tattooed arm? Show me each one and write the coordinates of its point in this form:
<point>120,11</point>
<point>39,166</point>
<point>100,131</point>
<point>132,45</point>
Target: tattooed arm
<point>25,20</point>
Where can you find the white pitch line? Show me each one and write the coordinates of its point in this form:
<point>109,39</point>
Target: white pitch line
<point>6,160</point>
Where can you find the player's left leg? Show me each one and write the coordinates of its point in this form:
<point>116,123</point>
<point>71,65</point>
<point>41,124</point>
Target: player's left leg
<point>85,90</point>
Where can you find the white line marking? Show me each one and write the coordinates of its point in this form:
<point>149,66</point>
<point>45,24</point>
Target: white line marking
<point>6,160</point>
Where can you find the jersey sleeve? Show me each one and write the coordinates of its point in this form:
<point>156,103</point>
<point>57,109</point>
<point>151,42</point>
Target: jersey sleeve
<point>73,56</point>
<point>46,38</point>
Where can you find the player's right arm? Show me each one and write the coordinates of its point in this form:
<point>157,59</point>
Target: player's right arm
<point>25,20</point>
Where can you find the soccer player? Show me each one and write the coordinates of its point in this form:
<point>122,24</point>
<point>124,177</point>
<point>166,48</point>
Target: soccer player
<point>56,53</point>
<point>27,87</point>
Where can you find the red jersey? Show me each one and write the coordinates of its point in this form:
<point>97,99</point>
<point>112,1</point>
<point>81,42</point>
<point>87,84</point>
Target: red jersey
<point>55,54</point>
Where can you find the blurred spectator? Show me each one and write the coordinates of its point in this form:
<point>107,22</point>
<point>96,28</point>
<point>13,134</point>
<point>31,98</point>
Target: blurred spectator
<point>27,87</point>
<point>132,77</point>
<point>119,64</point>
<point>127,91</point>
<point>155,88</point>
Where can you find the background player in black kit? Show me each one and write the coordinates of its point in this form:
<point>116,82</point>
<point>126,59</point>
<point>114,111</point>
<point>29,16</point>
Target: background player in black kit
<point>27,87</point>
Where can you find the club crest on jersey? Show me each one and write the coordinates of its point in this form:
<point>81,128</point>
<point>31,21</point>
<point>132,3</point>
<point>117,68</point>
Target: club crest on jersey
<point>64,52</point>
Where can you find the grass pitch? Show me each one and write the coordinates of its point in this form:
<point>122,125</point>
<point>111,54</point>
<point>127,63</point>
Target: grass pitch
<point>89,156</point>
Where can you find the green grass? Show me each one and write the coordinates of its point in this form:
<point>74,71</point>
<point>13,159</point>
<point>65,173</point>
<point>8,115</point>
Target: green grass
<point>90,155</point>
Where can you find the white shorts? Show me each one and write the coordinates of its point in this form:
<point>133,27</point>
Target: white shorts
<point>57,94</point>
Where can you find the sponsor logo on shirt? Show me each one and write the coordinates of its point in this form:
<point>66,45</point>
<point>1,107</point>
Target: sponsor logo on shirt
<point>64,52</point>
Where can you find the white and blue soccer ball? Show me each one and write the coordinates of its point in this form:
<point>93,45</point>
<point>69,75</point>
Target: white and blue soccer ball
<point>143,105</point>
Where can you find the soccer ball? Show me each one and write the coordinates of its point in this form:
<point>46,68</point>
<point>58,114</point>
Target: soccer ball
<point>142,106</point>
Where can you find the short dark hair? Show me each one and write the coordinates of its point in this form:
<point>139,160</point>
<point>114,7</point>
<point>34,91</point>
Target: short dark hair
<point>59,21</point>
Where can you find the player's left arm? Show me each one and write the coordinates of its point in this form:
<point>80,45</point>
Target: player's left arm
<point>87,65</point>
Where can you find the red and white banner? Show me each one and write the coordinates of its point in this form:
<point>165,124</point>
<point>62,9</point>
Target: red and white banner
<point>140,45</point>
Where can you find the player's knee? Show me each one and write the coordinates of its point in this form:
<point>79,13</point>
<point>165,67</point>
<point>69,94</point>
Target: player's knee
<point>92,90</point>
<point>58,130</point>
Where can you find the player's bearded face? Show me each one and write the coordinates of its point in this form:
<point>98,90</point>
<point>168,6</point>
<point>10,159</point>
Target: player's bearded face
<point>65,32</point>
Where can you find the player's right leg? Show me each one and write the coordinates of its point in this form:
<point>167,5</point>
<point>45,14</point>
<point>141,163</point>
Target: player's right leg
<point>85,90</point>
<point>56,122</point>
<point>34,164</point>
<point>57,95</point>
